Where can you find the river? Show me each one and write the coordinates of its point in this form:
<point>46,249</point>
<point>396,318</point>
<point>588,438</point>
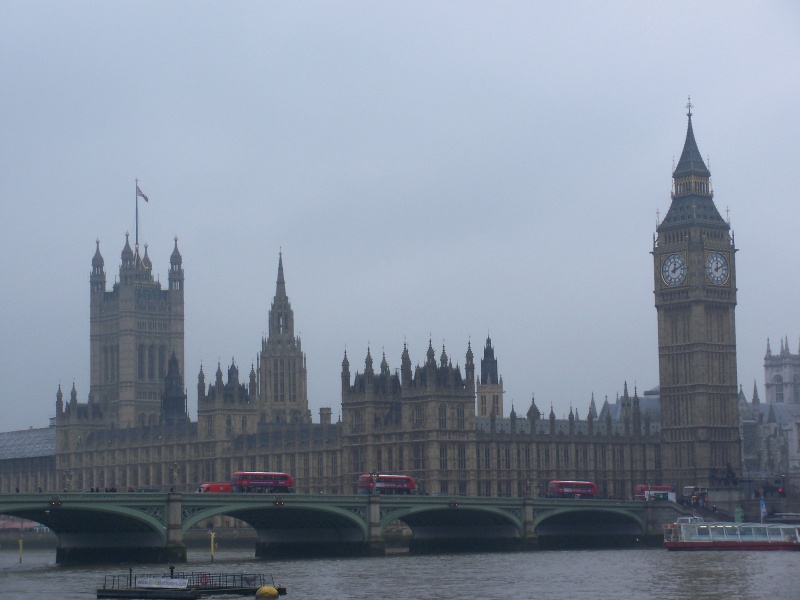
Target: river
<point>575,574</point>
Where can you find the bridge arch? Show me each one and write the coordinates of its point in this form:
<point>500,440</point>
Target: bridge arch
<point>272,515</point>
<point>592,526</point>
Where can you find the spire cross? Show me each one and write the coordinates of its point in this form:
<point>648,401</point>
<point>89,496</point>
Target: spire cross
<point>728,214</point>
<point>689,106</point>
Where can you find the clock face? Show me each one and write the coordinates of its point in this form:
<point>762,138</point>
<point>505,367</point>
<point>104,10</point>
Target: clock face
<point>673,269</point>
<point>717,268</point>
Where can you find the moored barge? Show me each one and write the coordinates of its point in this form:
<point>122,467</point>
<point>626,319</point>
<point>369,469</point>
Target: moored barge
<point>178,586</point>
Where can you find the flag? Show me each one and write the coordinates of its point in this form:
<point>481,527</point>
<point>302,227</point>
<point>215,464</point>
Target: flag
<point>763,509</point>
<point>140,194</point>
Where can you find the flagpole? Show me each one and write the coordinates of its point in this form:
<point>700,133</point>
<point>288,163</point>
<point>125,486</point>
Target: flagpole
<point>136,193</point>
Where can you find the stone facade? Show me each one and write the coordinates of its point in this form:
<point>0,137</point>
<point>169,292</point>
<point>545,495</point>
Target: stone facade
<point>443,426</point>
<point>695,298</point>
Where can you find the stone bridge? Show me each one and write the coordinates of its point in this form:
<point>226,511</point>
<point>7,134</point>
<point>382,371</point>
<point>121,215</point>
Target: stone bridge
<point>150,527</point>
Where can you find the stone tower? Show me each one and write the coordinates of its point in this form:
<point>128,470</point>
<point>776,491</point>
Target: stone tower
<point>782,375</point>
<point>283,392</point>
<point>490,385</point>
<point>695,298</point>
<point>134,330</point>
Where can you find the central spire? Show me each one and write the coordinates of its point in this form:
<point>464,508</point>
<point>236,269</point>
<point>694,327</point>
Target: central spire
<point>691,160</point>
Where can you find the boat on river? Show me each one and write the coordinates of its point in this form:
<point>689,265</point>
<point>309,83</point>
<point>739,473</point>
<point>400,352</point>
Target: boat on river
<point>694,533</point>
<point>178,586</point>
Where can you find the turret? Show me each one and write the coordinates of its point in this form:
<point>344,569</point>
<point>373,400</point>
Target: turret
<point>345,375</point>
<point>176,269</point>
<point>97,279</point>
<point>469,369</point>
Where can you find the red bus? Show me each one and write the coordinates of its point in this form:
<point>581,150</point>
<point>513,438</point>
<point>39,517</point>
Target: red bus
<point>386,484</point>
<point>261,482</point>
<point>653,492</point>
<point>571,489</point>
<point>214,488</point>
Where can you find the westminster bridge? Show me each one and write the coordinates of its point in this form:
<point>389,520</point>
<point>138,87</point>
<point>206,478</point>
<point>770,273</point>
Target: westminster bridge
<point>150,527</point>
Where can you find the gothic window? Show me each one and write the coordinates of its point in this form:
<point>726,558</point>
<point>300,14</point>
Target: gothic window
<point>379,460</point>
<point>358,460</point>
<point>358,421</point>
<point>796,386</point>
<point>462,456</point>
<point>151,362</point>
<point>778,389</point>
<point>306,472</point>
<point>419,416</point>
<point>442,416</point>
<point>419,456</point>
<point>228,426</point>
<point>400,466</point>
<point>443,457</point>
<point>483,405</point>
<point>389,460</point>
<point>162,362</point>
<point>496,406</point>
<point>334,465</point>
<point>443,487</point>
<point>460,416</point>
<point>244,424</point>
<point>141,361</point>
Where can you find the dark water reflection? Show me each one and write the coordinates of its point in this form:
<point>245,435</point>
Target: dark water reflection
<point>618,574</point>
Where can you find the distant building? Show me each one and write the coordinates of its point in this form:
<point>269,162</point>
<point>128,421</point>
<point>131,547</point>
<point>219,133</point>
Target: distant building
<point>771,429</point>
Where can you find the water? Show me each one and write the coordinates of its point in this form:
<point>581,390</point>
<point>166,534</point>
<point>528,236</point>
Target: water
<point>574,575</point>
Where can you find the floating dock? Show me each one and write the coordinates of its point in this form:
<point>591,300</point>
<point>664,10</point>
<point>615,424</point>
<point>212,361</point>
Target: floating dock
<point>184,585</point>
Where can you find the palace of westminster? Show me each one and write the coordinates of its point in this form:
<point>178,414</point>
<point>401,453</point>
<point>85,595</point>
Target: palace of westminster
<point>444,427</point>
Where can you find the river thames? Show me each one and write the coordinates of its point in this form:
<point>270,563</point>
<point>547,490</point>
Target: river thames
<point>574,574</point>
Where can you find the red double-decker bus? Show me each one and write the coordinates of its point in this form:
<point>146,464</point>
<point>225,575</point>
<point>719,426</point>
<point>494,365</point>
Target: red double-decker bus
<point>386,484</point>
<point>261,482</point>
<point>571,489</point>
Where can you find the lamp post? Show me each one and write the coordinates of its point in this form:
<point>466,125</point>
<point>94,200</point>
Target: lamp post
<point>176,471</point>
<point>374,477</point>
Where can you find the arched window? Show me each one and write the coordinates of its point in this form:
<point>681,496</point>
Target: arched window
<point>442,416</point>
<point>778,381</point>
<point>460,416</point>
<point>141,361</point>
<point>162,362</point>
<point>228,426</point>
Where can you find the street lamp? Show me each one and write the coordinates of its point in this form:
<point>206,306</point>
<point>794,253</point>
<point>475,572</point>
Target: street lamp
<point>176,471</point>
<point>374,477</point>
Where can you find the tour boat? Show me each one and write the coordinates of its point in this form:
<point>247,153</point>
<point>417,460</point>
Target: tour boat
<point>693,533</point>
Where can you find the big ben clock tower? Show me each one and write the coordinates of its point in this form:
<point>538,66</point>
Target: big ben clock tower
<point>695,297</point>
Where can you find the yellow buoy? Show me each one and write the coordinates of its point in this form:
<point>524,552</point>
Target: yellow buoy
<point>266,593</point>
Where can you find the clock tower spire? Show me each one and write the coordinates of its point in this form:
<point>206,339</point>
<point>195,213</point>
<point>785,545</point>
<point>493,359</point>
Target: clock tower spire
<point>695,299</point>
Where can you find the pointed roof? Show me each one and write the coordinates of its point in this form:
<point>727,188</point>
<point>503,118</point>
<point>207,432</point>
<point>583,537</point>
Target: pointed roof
<point>280,269</point>
<point>692,196</point>
<point>97,259</point>
<point>175,258</point>
<point>691,161</point>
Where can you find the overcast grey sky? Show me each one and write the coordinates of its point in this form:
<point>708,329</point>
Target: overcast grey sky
<point>430,171</point>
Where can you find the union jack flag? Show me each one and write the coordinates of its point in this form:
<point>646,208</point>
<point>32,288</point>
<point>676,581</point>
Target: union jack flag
<point>140,193</point>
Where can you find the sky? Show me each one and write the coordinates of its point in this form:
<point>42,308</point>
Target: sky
<point>431,172</point>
